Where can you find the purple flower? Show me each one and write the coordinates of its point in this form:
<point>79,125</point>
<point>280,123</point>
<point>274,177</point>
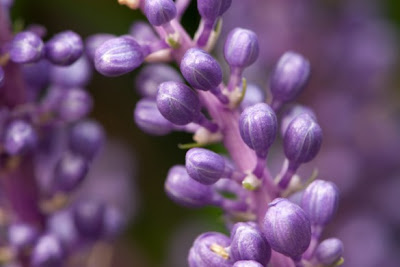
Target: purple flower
<point>64,48</point>
<point>26,47</point>
<point>186,191</point>
<point>178,103</point>
<point>329,251</point>
<point>159,12</point>
<point>204,166</point>
<point>118,56</point>
<point>258,127</point>
<point>209,250</point>
<point>320,201</point>
<point>241,48</point>
<point>302,139</point>
<point>287,228</point>
<point>249,243</point>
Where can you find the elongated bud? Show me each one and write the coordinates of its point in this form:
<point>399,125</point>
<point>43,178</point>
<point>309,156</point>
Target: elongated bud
<point>26,47</point>
<point>151,76</point>
<point>22,236</point>
<point>19,137</point>
<point>241,48</point>
<point>204,166</point>
<point>184,190</point>
<point>149,119</point>
<point>254,95</point>
<point>329,251</point>
<point>302,139</point>
<point>212,9</point>
<point>86,138</point>
<point>88,217</point>
<point>64,48</point>
<point>320,201</point>
<point>118,56</point>
<point>209,250</point>
<point>289,77</point>
<point>287,228</point>
<point>178,103</point>
<point>292,113</point>
<point>159,12</point>
<point>48,251</point>
<point>249,243</point>
<point>201,70</point>
<point>78,74</point>
<point>94,41</point>
<point>247,264</point>
<point>258,127</point>
<point>70,172</point>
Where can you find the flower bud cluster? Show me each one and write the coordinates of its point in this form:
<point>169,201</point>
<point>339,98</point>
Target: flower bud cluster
<point>47,147</point>
<point>45,115</point>
<point>244,121</point>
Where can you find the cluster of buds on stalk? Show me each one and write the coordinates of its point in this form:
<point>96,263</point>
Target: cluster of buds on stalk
<point>47,146</point>
<point>267,225</point>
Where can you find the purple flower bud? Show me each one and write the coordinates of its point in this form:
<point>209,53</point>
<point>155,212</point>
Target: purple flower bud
<point>212,9</point>
<point>186,191</point>
<point>204,166</point>
<point>22,236</point>
<point>302,139</point>
<point>287,228</point>
<point>292,113</point>
<point>151,76</point>
<point>1,76</point>
<point>209,250</point>
<point>75,103</point>
<point>149,119</point>
<point>320,201</point>
<point>19,137</point>
<point>143,33</point>
<point>64,48</point>
<point>329,251</point>
<point>113,222</point>
<point>77,74</point>
<point>249,243</point>
<point>7,3</point>
<point>94,41</point>
<point>69,172</point>
<point>247,264</point>
<point>254,95</point>
<point>48,252</point>
<point>37,74</point>
<point>26,47</point>
<point>86,138</point>
<point>118,56</point>
<point>241,48</point>
<point>37,29</point>
<point>61,224</point>
<point>201,70</point>
<point>258,127</point>
<point>178,103</point>
<point>289,77</point>
<point>159,12</point>
<point>88,217</point>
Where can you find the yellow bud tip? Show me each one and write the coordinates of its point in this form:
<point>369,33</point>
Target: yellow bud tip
<point>221,251</point>
<point>132,4</point>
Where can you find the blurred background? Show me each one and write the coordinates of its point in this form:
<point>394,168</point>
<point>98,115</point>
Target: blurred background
<point>353,48</point>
